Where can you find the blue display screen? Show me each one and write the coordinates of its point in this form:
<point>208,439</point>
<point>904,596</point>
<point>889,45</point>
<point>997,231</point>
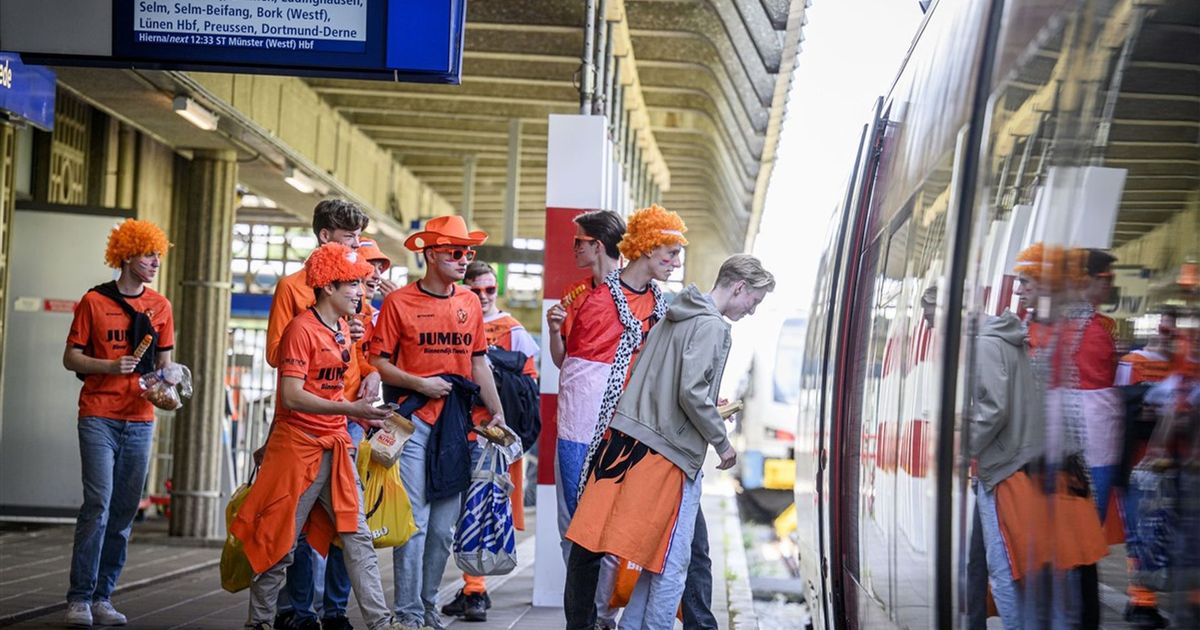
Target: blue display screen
<point>414,40</point>
<point>27,92</point>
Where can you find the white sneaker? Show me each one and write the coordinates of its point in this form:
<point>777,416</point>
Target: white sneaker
<point>79,615</point>
<point>106,615</point>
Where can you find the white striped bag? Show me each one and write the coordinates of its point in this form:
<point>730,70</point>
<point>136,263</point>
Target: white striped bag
<point>485,541</point>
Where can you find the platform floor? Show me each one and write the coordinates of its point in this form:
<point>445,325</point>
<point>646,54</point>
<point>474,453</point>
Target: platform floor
<point>167,584</point>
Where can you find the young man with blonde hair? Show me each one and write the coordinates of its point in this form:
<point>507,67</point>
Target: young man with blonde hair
<point>642,494</point>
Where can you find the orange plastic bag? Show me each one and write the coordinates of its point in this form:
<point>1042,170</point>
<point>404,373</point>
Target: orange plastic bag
<point>627,577</point>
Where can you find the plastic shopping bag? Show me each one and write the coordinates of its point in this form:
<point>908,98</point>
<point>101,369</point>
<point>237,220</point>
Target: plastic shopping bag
<point>485,542</point>
<point>385,503</point>
<point>236,572</point>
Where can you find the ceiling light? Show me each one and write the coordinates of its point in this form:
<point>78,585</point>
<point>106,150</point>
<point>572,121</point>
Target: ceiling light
<point>194,113</point>
<point>250,200</point>
<point>298,180</point>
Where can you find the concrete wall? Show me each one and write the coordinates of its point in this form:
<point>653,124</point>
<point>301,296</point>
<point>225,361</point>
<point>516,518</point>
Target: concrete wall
<point>314,129</point>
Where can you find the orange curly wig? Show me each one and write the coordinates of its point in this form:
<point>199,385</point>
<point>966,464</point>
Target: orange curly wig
<point>649,228</point>
<point>1053,264</point>
<point>334,262</point>
<point>134,238</point>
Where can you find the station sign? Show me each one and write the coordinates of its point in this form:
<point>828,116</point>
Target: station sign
<point>398,40</point>
<point>26,92</point>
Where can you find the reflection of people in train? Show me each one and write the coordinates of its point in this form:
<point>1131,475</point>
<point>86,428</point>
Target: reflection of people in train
<point>1137,371</point>
<point>1007,434</point>
<point>1073,354</point>
<point>1151,363</point>
<point>1094,360</point>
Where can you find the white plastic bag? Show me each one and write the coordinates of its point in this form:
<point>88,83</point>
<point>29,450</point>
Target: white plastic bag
<point>166,387</point>
<point>485,541</point>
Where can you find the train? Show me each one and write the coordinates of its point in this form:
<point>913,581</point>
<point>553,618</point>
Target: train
<point>1067,123</point>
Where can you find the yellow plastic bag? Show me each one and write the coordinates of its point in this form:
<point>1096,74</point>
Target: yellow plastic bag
<point>236,572</point>
<point>385,503</point>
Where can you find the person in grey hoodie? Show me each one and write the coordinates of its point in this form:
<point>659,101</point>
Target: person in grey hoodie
<point>668,413</point>
<point>1007,433</point>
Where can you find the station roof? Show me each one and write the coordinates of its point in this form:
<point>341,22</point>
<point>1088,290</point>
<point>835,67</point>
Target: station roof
<point>706,81</point>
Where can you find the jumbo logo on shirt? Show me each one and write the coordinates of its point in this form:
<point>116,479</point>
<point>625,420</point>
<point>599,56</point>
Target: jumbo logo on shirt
<point>444,339</point>
<point>331,374</point>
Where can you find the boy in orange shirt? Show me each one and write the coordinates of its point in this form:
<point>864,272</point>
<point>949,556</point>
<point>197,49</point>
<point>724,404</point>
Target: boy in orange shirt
<point>116,425</point>
<point>503,331</point>
<point>429,328</point>
<point>308,452</point>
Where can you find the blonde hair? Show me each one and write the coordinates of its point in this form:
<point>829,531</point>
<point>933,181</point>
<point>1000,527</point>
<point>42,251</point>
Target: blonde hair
<point>746,268</point>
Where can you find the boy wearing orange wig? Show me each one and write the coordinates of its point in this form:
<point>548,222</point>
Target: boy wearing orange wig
<point>605,337</point>
<point>428,329</point>
<point>115,423</point>
<point>308,452</point>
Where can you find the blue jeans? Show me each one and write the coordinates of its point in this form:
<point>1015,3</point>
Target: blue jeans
<point>418,564</point>
<point>655,598</point>
<point>1103,478</point>
<point>302,587</point>
<point>115,455</point>
<point>1012,604</point>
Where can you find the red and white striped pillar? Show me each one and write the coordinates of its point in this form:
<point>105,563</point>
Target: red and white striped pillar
<point>579,175</point>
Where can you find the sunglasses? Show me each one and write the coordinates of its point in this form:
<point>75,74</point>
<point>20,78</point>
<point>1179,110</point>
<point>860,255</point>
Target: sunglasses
<point>580,240</point>
<point>481,290</point>
<point>457,254</point>
<point>340,339</point>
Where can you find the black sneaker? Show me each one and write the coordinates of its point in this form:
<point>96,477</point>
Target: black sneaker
<point>336,623</point>
<point>1145,617</point>
<point>476,607</point>
<point>306,623</point>
<point>457,606</point>
<point>283,620</point>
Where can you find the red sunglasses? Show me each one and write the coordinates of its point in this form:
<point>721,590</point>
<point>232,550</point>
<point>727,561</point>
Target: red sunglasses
<point>456,254</point>
<point>481,290</point>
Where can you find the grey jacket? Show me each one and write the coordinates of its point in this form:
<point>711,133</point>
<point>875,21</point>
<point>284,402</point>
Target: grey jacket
<point>1008,428</point>
<point>670,404</point>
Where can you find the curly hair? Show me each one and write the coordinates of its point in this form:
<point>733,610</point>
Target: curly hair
<point>334,262</point>
<point>649,228</point>
<point>134,238</point>
<point>1058,266</point>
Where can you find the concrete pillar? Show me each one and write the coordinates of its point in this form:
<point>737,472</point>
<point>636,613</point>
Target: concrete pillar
<point>8,196</point>
<point>512,187</point>
<point>127,141</point>
<point>201,319</point>
<point>577,160</point>
<point>468,189</point>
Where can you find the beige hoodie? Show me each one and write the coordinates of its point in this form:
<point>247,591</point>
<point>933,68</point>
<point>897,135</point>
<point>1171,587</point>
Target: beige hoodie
<point>670,404</point>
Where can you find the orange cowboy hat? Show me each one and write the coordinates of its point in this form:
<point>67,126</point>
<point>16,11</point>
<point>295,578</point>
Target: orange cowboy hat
<point>448,230</point>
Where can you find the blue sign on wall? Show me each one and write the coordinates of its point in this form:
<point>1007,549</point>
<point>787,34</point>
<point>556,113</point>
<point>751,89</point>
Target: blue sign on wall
<point>27,92</point>
<point>414,40</point>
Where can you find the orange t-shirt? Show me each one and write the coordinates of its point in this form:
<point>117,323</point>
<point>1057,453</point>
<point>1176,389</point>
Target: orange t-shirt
<point>597,330</point>
<point>309,351</point>
<point>504,331</point>
<point>425,334</point>
<point>99,329</point>
<point>292,297</point>
<point>572,298</point>
<point>360,367</point>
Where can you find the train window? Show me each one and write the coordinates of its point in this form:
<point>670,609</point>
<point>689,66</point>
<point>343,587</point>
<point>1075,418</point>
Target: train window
<point>1087,225</point>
